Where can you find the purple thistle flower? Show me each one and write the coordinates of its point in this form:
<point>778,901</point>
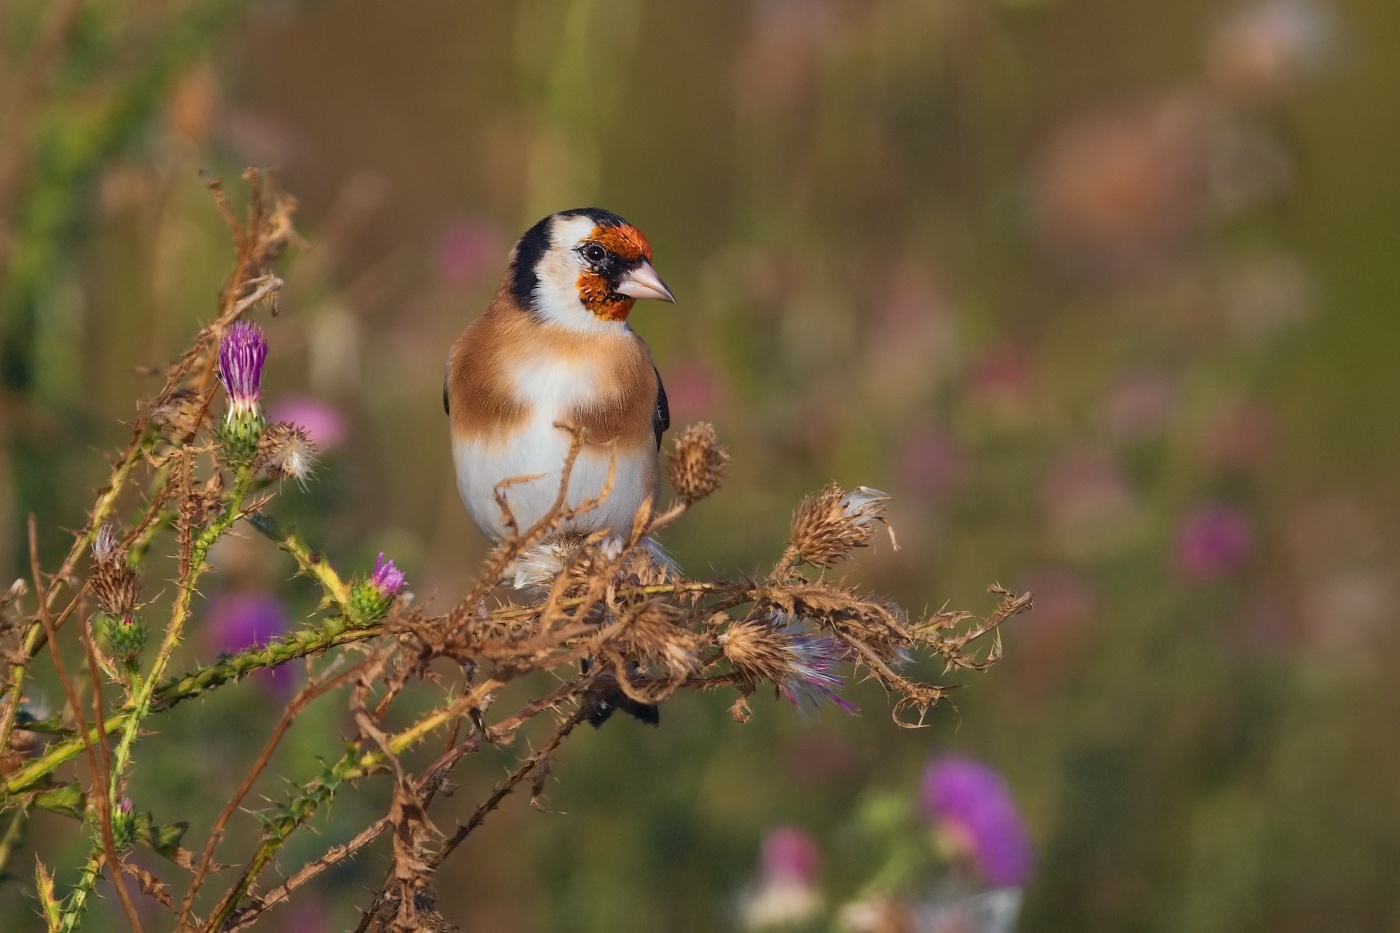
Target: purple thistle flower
<point>1213,542</point>
<point>387,578</point>
<point>811,678</point>
<point>242,353</point>
<point>972,803</point>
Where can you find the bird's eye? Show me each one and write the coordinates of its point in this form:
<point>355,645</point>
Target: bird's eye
<point>594,253</point>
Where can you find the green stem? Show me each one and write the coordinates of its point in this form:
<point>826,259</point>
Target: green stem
<point>76,902</point>
<point>14,834</point>
<point>145,688</point>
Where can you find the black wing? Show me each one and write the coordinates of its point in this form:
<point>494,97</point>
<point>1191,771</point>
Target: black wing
<point>661,418</point>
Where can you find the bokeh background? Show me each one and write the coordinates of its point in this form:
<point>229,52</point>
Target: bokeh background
<point>1103,292</point>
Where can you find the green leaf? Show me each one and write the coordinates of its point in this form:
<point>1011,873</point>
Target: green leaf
<point>68,799</point>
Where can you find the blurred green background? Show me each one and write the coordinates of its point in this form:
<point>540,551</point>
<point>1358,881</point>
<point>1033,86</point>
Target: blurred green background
<point>1103,292</point>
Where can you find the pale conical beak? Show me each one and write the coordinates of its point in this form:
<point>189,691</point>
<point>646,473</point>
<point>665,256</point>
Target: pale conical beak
<point>643,282</point>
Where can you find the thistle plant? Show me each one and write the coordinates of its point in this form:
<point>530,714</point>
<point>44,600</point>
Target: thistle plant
<point>577,624</point>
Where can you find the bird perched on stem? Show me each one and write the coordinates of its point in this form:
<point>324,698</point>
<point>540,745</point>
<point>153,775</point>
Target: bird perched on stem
<point>553,355</point>
<point>553,359</point>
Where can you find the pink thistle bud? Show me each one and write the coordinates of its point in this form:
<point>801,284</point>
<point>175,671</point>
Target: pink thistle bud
<point>387,578</point>
<point>370,599</point>
<point>241,356</point>
<point>124,823</point>
<point>242,353</point>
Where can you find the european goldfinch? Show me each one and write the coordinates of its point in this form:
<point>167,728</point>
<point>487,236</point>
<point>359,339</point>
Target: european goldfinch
<point>553,351</point>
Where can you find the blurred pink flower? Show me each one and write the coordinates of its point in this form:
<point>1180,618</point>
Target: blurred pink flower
<point>240,620</point>
<point>1003,373</point>
<point>1139,405</point>
<point>1001,385</point>
<point>307,917</point>
<point>322,423</point>
<point>470,251</point>
<point>786,892</point>
<point>1055,629</point>
<point>694,390</point>
<point>790,854</point>
<point>974,807</point>
<point>778,66</point>
<point>912,306</point>
<point>932,464</point>
<point>1089,503</point>
<point>1213,541</point>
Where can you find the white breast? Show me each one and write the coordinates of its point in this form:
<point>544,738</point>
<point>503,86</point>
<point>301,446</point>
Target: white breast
<point>535,454</point>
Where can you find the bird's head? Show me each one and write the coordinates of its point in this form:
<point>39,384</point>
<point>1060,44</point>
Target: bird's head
<point>584,269</point>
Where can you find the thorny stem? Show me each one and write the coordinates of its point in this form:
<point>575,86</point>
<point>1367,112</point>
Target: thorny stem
<point>35,635</point>
<point>141,703</point>
<point>309,693</point>
<point>273,654</point>
<point>527,767</point>
<point>76,902</point>
<point>102,837</point>
<point>353,765</point>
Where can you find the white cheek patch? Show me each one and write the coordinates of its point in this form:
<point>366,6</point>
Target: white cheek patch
<point>558,271</point>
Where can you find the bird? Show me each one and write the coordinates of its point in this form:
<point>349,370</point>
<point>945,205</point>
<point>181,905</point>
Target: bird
<point>553,355</point>
<point>554,358</point>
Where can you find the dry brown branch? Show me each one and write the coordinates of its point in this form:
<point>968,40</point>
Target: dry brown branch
<point>101,792</point>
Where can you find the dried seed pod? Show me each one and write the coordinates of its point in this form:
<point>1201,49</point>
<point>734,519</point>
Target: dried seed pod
<point>831,524</point>
<point>287,451</point>
<point>115,585</point>
<point>756,651</point>
<point>654,633</point>
<point>696,464</point>
<point>800,662</point>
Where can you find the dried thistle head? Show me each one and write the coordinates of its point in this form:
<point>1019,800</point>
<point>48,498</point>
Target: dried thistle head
<point>755,651</point>
<point>115,585</point>
<point>696,464</point>
<point>655,633</point>
<point>288,452</point>
<point>831,524</point>
<point>799,662</point>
